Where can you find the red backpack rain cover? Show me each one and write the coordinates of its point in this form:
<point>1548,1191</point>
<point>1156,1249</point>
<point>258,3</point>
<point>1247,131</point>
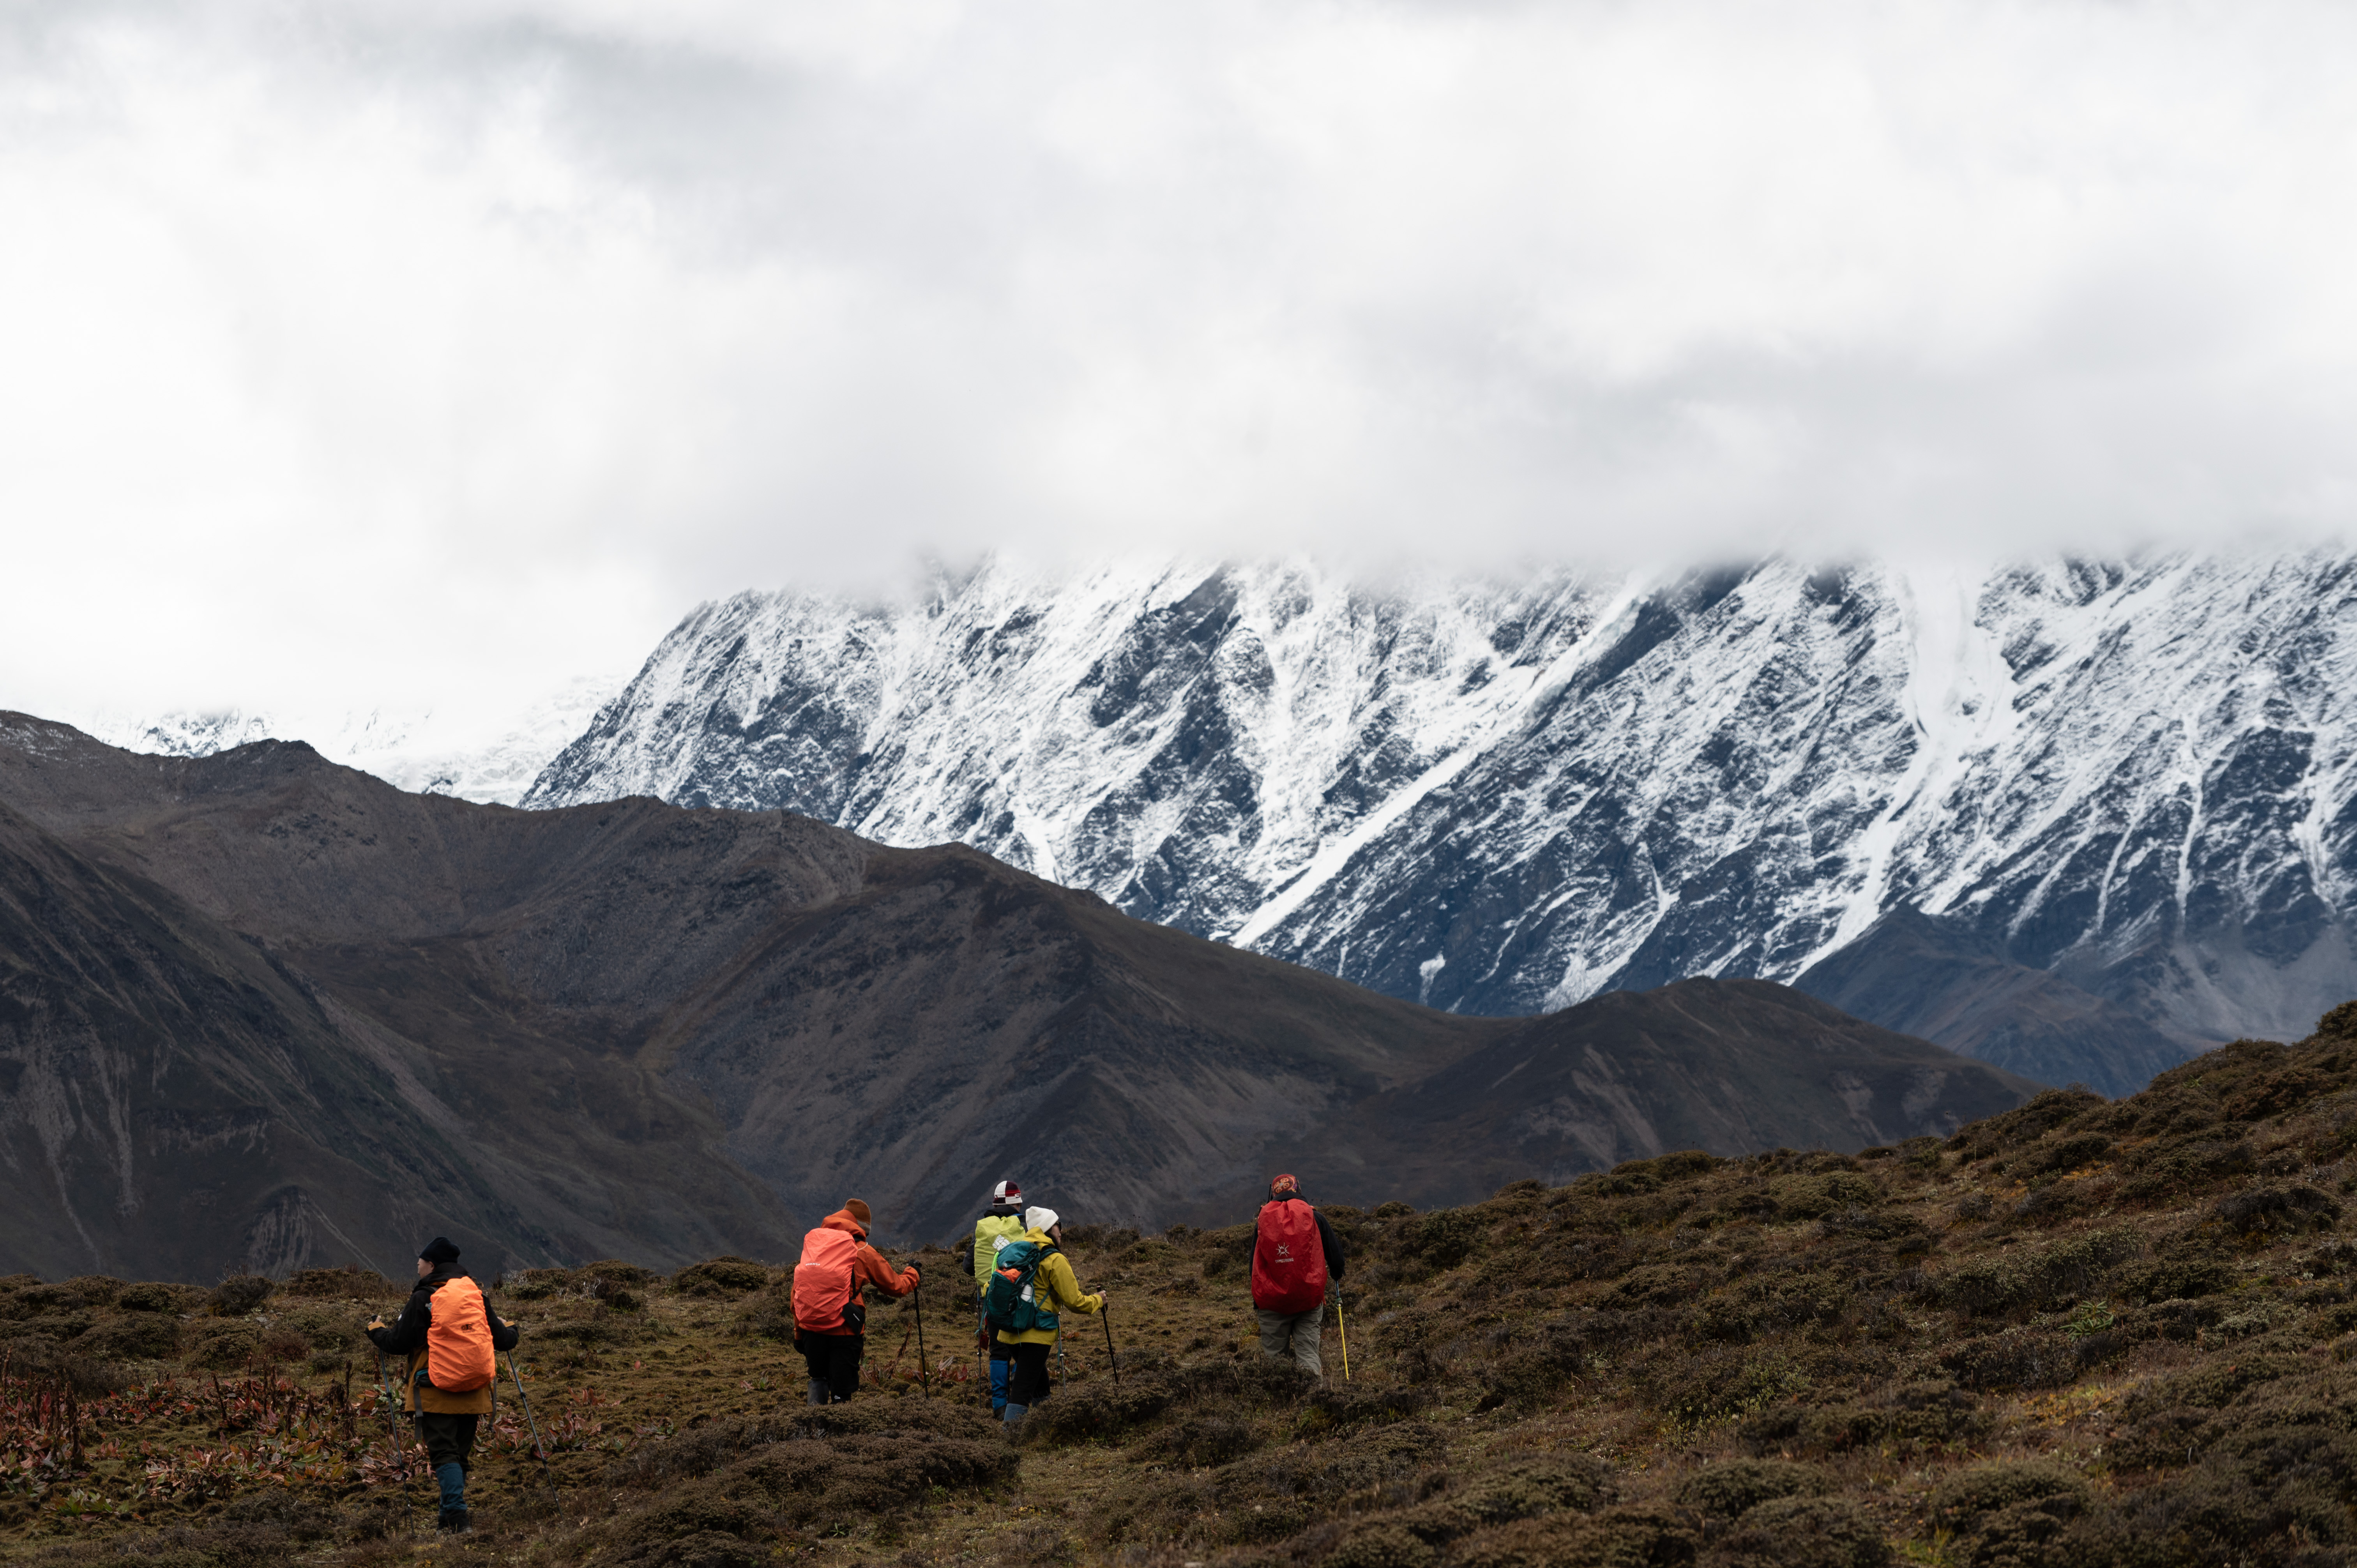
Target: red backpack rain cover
<point>1288,1259</point>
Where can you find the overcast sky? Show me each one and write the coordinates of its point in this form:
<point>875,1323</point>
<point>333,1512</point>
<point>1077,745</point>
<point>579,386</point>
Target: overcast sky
<point>423,351</point>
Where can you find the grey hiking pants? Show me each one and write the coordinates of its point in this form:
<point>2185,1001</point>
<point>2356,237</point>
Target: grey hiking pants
<point>1294,1334</point>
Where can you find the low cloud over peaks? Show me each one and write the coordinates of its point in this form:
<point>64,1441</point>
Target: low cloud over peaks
<point>376,344</point>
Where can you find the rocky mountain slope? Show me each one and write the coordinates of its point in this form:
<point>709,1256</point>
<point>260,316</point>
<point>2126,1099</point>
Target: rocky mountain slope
<point>258,1009</point>
<point>1503,798</point>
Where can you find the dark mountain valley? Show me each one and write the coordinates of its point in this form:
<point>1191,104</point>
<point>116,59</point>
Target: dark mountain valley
<point>260,1012</point>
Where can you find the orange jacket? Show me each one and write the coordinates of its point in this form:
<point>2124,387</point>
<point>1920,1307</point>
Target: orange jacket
<point>867,1267</point>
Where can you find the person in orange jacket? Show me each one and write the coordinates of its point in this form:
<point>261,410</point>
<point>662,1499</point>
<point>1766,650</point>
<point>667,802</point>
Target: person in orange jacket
<point>830,1321</point>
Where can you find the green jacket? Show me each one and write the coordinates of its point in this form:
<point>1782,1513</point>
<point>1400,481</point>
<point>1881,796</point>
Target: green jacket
<point>987,1232</point>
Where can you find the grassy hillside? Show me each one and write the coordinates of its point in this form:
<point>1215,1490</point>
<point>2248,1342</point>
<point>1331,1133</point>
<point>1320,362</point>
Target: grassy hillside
<point>2080,1332</point>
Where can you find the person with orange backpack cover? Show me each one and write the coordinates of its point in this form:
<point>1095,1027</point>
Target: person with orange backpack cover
<point>450,1335</point>
<point>1295,1254</point>
<point>830,1320</point>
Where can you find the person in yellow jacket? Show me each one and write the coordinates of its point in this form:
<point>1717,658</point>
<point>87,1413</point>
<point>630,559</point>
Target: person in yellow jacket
<point>1053,1286</point>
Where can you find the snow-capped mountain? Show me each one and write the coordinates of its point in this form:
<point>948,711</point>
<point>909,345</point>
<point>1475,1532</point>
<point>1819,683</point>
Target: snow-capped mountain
<point>424,752</point>
<point>1505,797</point>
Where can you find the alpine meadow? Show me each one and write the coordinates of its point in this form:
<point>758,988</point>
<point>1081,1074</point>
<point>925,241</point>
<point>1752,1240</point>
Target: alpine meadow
<point>1382,784</point>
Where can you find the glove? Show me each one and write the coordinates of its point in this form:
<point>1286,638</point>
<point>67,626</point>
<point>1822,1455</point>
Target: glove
<point>375,1324</point>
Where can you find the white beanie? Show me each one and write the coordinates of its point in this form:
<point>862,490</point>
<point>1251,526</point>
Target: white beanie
<point>1040,1220</point>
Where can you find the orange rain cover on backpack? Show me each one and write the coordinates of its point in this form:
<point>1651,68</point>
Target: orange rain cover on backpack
<point>822,1280</point>
<point>459,1339</point>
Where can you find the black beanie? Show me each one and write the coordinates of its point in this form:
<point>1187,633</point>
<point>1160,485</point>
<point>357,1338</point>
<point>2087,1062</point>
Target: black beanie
<point>439,1250</point>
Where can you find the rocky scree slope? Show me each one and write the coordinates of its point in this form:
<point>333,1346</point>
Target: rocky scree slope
<point>260,1011</point>
<point>2133,777</point>
<point>2075,1334</point>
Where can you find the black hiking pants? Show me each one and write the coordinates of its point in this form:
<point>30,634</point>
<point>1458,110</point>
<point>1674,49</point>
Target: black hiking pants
<point>448,1439</point>
<point>834,1360</point>
<point>1030,1383</point>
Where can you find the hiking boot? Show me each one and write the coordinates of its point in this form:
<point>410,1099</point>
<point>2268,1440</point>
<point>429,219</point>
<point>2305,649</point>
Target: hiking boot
<point>453,1521</point>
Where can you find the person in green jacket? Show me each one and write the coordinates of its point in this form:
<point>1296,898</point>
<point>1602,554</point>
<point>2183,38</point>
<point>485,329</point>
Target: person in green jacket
<point>1001,1223</point>
<point>1053,1286</point>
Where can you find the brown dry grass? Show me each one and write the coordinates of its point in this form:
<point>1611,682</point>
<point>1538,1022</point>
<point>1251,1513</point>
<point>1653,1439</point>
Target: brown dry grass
<point>2081,1332</point>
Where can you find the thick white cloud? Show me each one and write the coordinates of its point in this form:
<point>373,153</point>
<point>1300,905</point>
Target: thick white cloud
<point>415,352</point>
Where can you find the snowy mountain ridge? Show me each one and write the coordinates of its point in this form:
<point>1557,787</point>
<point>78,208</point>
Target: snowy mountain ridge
<point>419,751</point>
<point>1504,797</point>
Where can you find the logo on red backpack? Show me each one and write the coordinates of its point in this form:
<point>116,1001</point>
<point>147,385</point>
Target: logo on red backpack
<point>1288,1261</point>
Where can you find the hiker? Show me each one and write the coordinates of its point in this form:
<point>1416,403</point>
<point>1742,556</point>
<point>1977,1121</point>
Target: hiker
<point>1000,1223</point>
<point>830,1322</point>
<point>1293,1256</point>
<point>1032,1280</point>
<point>450,1334</point>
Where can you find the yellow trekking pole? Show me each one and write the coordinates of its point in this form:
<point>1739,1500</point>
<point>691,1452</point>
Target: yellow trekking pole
<point>1344,1325</point>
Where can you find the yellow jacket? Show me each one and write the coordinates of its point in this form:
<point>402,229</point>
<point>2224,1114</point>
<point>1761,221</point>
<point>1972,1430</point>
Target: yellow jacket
<point>1055,1287</point>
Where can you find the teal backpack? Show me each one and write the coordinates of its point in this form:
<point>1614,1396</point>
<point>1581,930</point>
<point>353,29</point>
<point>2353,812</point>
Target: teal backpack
<point>1008,1306</point>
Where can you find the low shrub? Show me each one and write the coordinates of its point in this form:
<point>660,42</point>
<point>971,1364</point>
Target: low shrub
<point>1097,1413</point>
<point>769,1316</point>
<point>538,1284</point>
<point>1203,1440</point>
<point>1711,1385</point>
<point>241,1293</point>
<point>351,1282</point>
<point>2277,1210</point>
<point>2024,1123</point>
<point>1805,1533</point>
<point>1733,1488</point>
<point>1346,1404</point>
<point>721,1276</point>
<point>130,1336</point>
<point>2016,1358</point>
<point>221,1345</point>
<point>155,1296</point>
<point>590,1324</point>
<point>1934,1413</point>
<point>322,1328</point>
<point>1441,1240</point>
<point>1965,1500</point>
<point>1642,1535</point>
<point>2188,1161</point>
<point>94,1290</point>
<point>1812,1197</point>
<point>2031,1280</point>
<point>1518,1491</point>
<point>2069,1153</point>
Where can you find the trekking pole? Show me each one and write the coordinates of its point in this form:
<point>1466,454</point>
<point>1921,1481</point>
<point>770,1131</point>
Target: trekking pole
<point>1344,1325</point>
<point>1111,1354</point>
<point>538,1447</point>
<point>392,1430</point>
<point>924,1362</point>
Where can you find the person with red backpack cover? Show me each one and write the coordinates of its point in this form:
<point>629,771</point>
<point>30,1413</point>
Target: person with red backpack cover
<point>830,1321</point>
<point>1295,1256</point>
<point>450,1335</point>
